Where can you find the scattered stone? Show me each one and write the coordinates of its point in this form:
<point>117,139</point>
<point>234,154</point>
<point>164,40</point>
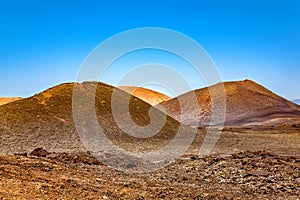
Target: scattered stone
<point>39,152</point>
<point>244,175</point>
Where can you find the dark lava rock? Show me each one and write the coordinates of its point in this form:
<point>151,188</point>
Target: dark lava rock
<point>39,152</point>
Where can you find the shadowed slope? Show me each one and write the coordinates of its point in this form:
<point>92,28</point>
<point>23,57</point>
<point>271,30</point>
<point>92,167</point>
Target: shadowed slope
<point>247,102</point>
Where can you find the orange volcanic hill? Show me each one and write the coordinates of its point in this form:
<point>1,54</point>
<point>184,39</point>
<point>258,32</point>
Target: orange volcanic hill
<point>5,100</point>
<point>248,103</point>
<point>150,96</point>
<point>46,119</point>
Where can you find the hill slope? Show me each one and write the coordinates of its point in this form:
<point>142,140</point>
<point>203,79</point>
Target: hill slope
<point>46,120</point>
<point>150,96</point>
<point>247,103</point>
<point>5,100</point>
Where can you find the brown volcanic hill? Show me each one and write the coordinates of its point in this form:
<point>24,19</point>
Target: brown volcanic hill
<point>5,100</point>
<point>247,103</point>
<point>46,120</point>
<point>150,96</point>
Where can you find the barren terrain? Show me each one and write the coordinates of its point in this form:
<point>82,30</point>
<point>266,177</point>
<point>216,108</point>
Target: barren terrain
<point>42,155</point>
<point>248,175</point>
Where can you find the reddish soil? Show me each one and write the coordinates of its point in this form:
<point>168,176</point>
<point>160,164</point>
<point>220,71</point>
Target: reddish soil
<point>246,103</point>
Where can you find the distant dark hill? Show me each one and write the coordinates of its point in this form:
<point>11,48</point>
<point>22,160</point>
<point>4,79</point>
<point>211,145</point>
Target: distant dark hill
<point>46,120</point>
<point>247,103</point>
<point>150,96</point>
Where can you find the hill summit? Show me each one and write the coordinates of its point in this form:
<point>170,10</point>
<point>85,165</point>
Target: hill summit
<point>150,96</point>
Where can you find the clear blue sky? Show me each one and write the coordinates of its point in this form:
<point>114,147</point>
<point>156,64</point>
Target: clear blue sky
<point>43,43</point>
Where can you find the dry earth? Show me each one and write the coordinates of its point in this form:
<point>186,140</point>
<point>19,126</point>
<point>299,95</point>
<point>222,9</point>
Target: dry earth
<point>249,162</point>
<point>238,169</point>
<point>248,175</point>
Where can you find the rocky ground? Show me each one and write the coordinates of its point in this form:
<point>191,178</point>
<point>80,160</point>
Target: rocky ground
<point>246,175</point>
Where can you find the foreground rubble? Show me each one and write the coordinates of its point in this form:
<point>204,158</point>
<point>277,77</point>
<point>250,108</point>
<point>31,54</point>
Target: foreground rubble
<point>246,175</point>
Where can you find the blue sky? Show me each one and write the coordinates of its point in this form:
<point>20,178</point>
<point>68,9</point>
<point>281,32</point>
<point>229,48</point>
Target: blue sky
<point>43,43</point>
